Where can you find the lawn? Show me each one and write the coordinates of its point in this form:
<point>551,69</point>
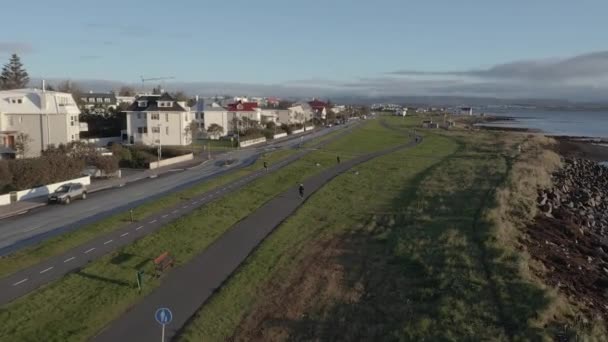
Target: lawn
<point>78,305</point>
<point>410,255</point>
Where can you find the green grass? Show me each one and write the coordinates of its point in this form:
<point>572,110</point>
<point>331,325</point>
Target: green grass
<point>431,267</point>
<point>54,246</point>
<point>78,305</point>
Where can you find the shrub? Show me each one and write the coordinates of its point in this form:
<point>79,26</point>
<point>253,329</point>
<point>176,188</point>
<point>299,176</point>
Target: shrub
<point>286,128</point>
<point>106,164</point>
<point>6,177</point>
<point>268,133</point>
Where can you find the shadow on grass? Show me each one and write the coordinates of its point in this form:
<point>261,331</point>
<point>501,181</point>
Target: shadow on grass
<point>104,279</point>
<point>431,271</point>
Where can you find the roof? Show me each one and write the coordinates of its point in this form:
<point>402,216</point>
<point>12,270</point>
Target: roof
<point>209,108</point>
<point>102,95</point>
<point>316,104</point>
<point>152,104</point>
<point>242,106</point>
<point>36,101</point>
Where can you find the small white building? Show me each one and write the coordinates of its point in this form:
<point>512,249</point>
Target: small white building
<point>47,117</point>
<point>466,111</point>
<point>159,119</point>
<point>298,113</point>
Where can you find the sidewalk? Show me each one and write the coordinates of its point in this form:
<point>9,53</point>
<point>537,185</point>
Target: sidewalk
<point>23,207</point>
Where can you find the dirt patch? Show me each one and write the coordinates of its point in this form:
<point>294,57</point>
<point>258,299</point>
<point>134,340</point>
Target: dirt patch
<point>574,261</point>
<point>317,280</point>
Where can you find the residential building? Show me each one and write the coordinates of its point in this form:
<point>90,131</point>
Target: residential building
<point>159,119</point>
<point>208,114</point>
<point>46,117</point>
<point>298,113</point>
<point>338,109</point>
<point>272,102</point>
<point>99,102</point>
<point>128,100</point>
<point>319,108</point>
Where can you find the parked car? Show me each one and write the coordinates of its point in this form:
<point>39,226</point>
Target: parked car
<point>66,193</point>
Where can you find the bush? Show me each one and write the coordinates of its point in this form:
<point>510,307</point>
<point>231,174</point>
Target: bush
<point>268,133</point>
<point>106,164</point>
<point>6,177</point>
<point>29,173</point>
<point>286,128</point>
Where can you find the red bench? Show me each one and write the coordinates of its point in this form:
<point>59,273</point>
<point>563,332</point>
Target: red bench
<point>162,262</point>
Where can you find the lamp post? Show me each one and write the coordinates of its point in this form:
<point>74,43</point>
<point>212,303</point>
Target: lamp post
<point>160,152</point>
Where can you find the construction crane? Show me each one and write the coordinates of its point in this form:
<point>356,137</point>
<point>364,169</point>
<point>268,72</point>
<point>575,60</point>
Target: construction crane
<point>143,80</point>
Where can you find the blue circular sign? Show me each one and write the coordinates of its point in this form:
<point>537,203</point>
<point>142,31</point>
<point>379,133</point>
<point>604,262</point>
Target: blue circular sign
<point>163,316</point>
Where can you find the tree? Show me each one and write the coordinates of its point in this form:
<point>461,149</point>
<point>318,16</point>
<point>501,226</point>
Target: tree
<point>22,144</point>
<point>13,74</point>
<point>67,86</point>
<point>126,91</point>
<point>215,130</point>
<point>180,96</point>
<point>192,130</point>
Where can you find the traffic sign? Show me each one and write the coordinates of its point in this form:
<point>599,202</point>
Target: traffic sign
<point>163,316</point>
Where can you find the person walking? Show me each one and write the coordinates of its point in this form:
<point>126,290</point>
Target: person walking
<point>265,165</point>
<point>301,190</point>
<point>338,159</point>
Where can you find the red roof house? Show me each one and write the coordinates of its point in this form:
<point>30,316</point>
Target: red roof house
<point>242,106</point>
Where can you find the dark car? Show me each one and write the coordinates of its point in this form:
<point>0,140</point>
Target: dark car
<point>66,193</point>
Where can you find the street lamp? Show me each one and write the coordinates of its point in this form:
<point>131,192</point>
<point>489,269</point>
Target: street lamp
<point>160,153</point>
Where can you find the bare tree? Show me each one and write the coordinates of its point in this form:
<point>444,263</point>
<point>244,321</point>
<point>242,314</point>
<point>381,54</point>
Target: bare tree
<point>192,131</point>
<point>126,91</point>
<point>22,144</point>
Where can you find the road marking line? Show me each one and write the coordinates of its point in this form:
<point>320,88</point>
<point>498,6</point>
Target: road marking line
<point>69,259</point>
<point>184,207</point>
<point>89,250</point>
<point>124,234</point>
<point>164,216</point>
<point>46,270</point>
<point>174,211</point>
<point>20,282</point>
<point>152,221</point>
<point>138,228</point>
<point>107,242</point>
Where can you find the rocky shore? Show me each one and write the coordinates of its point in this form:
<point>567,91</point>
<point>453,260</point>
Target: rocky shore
<point>570,235</point>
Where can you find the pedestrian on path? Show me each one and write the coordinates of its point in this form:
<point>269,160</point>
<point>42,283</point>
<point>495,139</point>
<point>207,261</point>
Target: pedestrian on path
<point>301,190</point>
<point>265,165</point>
<point>338,159</point>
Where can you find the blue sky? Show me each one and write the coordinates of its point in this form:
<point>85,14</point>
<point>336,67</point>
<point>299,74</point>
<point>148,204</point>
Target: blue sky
<point>293,42</point>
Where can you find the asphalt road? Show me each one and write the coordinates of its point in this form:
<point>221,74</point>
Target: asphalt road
<point>186,288</point>
<point>29,279</point>
<point>39,224</point>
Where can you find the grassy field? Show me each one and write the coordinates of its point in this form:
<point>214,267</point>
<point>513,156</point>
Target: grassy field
<point>416,254</point>
<point>75,307</point>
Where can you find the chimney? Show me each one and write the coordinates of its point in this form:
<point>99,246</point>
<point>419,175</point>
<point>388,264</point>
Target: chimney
<point>43,86</point>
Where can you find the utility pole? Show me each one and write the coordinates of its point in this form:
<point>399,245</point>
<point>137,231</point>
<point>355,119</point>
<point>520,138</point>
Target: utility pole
<point>160,153</point>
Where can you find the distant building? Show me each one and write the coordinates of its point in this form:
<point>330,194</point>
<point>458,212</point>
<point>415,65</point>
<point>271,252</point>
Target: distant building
<point>47,117</point>
<point>319,108</point>
<point>155,119</point>
<point>99,102</point>
<point>466,111</point>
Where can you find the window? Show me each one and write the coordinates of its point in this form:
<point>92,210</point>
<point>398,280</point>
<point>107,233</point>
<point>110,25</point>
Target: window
<point>142,103</point>
<point>155,129</point>
<point>91,100</point>
<point>166,117</point>
<point>19,101</point>
<point>99,100</point>
<point>10,120</point>
<point>154,116</point>
<point>83,99</point>
<point>142,130</point>
<point>139,115</point>
<point>167,130</point>
<point>186,117</point>
<point>20,119</point>
<point>106,100</point>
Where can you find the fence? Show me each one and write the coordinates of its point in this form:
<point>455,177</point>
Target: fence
<point>171,161</point>
<point>280,135</point>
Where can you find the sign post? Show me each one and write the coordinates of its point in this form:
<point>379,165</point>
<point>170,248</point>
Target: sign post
<point>163,316</point>
<point>140,274</point>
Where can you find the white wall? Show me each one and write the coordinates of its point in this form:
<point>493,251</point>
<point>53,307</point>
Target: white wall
<point>5,199</point>
<point>252,142</point>
<point>171,161</point>
<point>297,131</point>
<point>47,189</point>
<point>280,135</point>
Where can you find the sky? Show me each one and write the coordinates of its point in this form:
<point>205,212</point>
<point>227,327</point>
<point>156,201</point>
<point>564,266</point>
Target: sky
<point>497,48</point>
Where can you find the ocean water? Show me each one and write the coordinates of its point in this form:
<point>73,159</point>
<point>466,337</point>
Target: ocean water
<point>561,123</point>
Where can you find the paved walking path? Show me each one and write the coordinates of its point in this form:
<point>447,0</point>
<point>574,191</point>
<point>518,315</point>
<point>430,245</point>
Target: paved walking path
<point>26,280</point>
<point>186,288</point>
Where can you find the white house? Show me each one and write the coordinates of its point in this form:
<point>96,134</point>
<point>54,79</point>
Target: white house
<point>159,119</point>
<point>298,113</point>
<point>206,115</point>
<point>47,117</point>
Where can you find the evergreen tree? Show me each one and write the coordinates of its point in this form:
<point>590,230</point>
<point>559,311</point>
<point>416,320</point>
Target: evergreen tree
<point>13,74</point>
